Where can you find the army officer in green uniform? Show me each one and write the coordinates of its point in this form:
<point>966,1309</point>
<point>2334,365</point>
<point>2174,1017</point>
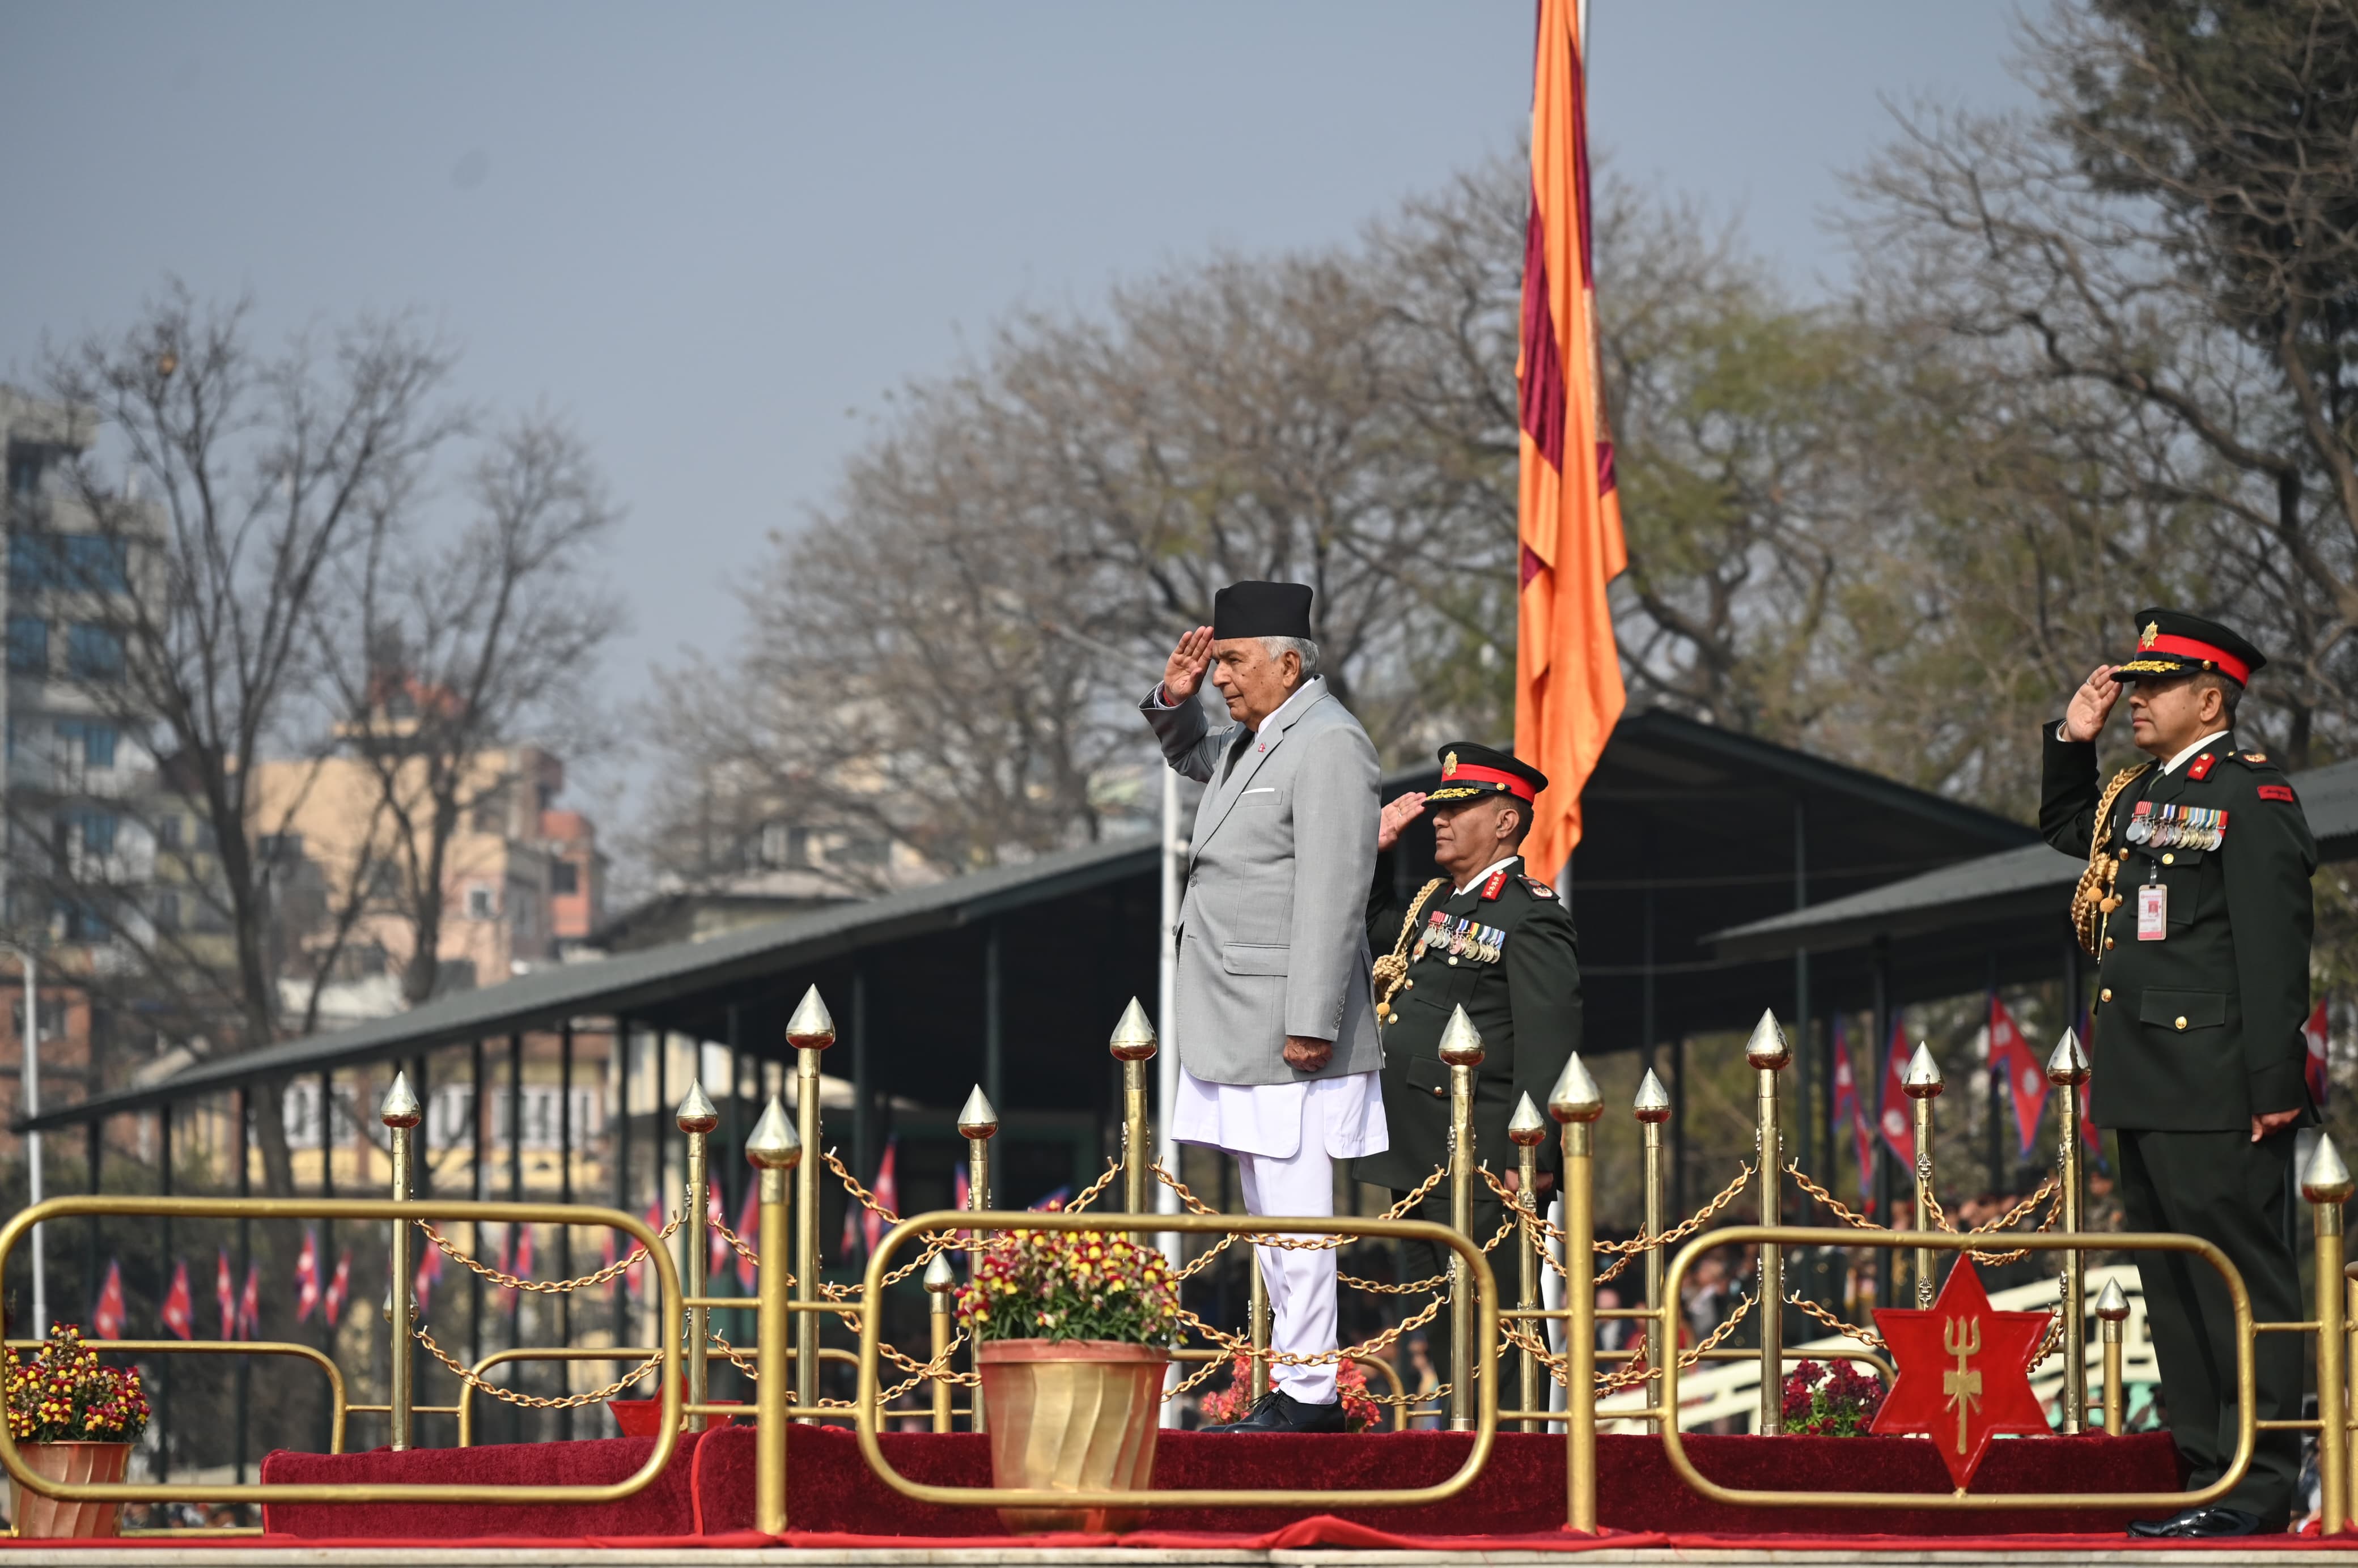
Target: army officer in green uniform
<point>1488,937</point>
<point>2196,904</point>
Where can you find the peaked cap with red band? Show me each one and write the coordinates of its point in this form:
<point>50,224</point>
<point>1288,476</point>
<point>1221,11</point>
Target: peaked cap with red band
<point>2171,642</point>
<point>1468,769</point>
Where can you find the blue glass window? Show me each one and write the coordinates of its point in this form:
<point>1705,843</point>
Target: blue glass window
<point>29,645</point>
<point>93,652</point>
<point>97,829</point>
<point>95,563</point>
<point>93,738</point>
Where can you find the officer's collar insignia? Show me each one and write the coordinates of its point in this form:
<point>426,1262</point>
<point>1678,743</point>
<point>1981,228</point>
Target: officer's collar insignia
<point>1449,766</point>
<point>1490,889</point>
<point>2152,634</point>
<point>2201,767</point>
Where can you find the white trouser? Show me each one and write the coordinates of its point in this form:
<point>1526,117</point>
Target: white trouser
<point>1301,1282</point>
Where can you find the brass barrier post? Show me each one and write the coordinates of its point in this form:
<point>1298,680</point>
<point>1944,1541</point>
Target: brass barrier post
<point>1527,1130</point>
<point>1257,1310</point>
<point>1653,1108</point>
<point>1577,1103</point>
<point>1461,1048</point>
<point>2067,1069</point>
<point>941,1284</point>
<point>401,1114</point>
<point>772,1149</point>
<point>810,1032</point>
<point>1768,1053</point>
<point>1923,1084</point>
<point>2327,1185</point>
<point>2350,1362</point>
<point>1133,1046</point>
<point>2112,1312</point>
<point>978,1123</point>
<point>697,1118</point>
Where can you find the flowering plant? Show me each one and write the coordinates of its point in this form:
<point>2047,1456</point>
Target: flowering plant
<point>63,1395</point>
<point>1065,1284</point>
<point>1836,1401</point>
<point>1360,1412</point>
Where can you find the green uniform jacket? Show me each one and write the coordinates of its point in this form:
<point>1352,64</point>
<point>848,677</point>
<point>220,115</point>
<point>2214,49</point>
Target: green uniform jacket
<point>1525,1004</point>
<point>2199,1031</point>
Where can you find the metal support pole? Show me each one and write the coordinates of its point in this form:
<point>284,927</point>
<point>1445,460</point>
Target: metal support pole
<point>1768,1054</point>
<point>622,1147</point>
<point>401,1115</point>
<point>327,1228</point>
<point>941,1288</point>
<point>978,1123</point>
<point>1576,1103</point>
<point>479,1185</point>
<point>1527,1130</point>
<point>810,1032</point>
<point>1461,1048</point>
<point>2067,1069</point>
<point>1653,1108</point>
<point>1923,1084</point>
<point>772,1149</point>
<point>1133,1046</point>
<point>1257,1313</point>
<point>696,1119</point>
<point>565,1197</point>
<point>2327,1186</point>
<point>2112,1312</point>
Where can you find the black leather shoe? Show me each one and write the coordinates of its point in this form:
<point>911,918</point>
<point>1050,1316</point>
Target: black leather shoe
<point>2199,1522</point>
<point>1279,1412</point>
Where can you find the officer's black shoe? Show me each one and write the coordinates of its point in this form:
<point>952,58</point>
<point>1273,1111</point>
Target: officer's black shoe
<point>2199,1522</point>
<point>1279,1412</point>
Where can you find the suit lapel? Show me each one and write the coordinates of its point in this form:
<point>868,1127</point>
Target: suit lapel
<point>1263,746</point>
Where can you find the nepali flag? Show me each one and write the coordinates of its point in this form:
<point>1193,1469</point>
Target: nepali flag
<point>749,1227</point>
<point>716,1246</point>
<point>307,1276</point>
<point>107,1322</point>
<point>888,1196</point>
<point>179,1309</point>
<point>225,1295</point>
<point>2313,1067</point>
<point>249,1303</point>
<point>1891,1117</point>
<point>2012,1063</point>
<point>1850,1112</point>
<point>340,1289</point>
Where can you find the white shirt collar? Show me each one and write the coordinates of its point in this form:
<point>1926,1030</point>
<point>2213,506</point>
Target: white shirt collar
<point>1292,698</point>
<point>1483,874</point>
<point>2171,766</point>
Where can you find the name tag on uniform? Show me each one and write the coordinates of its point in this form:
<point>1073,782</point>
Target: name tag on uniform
<point>2153,913</point>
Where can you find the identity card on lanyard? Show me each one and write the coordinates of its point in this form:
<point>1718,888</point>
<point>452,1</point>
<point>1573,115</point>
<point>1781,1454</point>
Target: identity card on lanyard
<point>2153,913</point>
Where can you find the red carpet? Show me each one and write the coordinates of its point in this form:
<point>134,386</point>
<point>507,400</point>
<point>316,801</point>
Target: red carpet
<point>708,1488</point>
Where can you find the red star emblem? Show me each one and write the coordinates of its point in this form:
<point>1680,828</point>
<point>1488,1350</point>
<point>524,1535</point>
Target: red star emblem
<point>1964,1372</point>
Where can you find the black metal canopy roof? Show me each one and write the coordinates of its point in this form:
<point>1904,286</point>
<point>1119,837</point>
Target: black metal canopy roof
<point>1688,827</point>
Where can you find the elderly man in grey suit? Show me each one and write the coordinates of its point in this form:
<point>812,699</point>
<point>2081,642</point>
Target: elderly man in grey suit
<point>1278,1056</point>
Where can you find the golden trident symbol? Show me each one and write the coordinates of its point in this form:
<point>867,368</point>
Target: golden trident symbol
<point>1961,1338</point>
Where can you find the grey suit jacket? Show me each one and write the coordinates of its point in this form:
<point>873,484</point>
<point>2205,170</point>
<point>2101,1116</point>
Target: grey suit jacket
<point>1272,940</point>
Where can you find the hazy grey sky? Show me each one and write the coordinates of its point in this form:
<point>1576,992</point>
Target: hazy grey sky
<point>716,234</point>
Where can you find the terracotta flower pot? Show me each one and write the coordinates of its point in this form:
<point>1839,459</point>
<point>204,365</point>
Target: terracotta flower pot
<point>1072,1415</point>
<point>37,1516</point>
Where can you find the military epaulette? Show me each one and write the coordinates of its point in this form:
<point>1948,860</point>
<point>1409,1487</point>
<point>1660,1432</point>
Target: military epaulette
<point>2252,760</point>
<point>1491,888</point>
<point>2199,768</point>
<point>1538,888</point>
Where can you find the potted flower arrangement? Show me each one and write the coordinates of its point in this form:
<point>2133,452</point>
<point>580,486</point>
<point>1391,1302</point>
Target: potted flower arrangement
<point>72,1421</point>
<point>1072,1330</point>
<point>1831,1401</point>
<point>1360,1412</point>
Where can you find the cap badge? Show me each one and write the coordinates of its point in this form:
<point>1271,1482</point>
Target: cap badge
<point>1449,766</point>
<point>2152,634</point>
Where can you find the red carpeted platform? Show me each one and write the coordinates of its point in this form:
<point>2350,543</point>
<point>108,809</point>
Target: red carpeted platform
<point>708,1488</point>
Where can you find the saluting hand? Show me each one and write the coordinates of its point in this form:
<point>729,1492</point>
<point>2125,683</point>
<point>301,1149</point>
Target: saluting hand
<point>2092,704</point>
<point>1395,816</point>
<point>1183,671</point>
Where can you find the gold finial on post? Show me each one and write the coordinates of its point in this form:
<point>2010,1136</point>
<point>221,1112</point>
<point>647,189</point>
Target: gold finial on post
<point>696,1119</point>
<point>1652,1108</point>
<point>2067,1069</point>
<point>941,1285</point>
<point>401,1114</point>
<point>1922,1084</point>
<point>1768,1053</point>
<point>773,1149</point>
<point>1527,1130</point>
<point>1461,1048</point>
<point>978,1123</point>
<point>2326,1184</point>
<point>810,1030</point>
<point>2112,1311</point>
<point>1577,1103</point>
<point>1133,1046</point>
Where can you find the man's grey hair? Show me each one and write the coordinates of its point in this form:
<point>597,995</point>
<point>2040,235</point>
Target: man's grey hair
<point>1278,648</point>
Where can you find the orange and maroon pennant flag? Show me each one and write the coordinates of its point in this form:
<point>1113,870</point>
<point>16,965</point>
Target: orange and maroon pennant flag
<point>1568,691</point>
